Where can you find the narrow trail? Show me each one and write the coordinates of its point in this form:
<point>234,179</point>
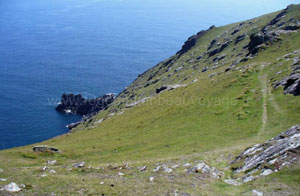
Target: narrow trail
<point>264,88</point>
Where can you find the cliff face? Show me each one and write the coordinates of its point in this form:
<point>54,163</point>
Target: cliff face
<point>182,127</point>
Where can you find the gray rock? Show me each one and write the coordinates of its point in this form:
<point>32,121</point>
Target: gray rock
<point>144,168</point>
<point>232,182</point>
<point>44,148</point>
<point>266,172</point>
<point>257,193</point>
<point>248,179</point>
<point>167,169</point>
<point>12,187</point>
<point>284,147</point>
<point>51,162</point>
<point>3,180</point>
<point>157,169</point>
<point>169,87</point>
<point>79,164</point>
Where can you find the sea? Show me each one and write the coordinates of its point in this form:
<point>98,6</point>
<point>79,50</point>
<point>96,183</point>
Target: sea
<point>91,47</point>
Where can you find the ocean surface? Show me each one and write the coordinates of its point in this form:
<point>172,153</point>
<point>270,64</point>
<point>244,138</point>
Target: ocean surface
<point>92,47</point>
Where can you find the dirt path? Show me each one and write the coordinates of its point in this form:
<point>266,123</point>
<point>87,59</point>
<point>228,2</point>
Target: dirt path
<point>264,88</point>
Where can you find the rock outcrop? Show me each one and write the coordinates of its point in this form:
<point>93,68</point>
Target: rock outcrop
<point>264,159</point>
<point>76,104</point>
<point>191,42</point>
<point>44,149</point>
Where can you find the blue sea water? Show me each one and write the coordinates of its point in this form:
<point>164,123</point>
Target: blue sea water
<point>48,47</point>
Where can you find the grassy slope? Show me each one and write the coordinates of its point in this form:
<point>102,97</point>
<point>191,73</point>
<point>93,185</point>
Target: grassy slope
<point>211,120</point>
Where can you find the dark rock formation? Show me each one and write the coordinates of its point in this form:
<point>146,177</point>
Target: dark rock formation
<point>44,149</point>
<point>212,43</point>
<point>291,84</point>
<point>240,38</point>
<point>76,104</point>
<point>218,50</point>
<point>169,87</point>
<point>191,42</point>
<point>274,154</point>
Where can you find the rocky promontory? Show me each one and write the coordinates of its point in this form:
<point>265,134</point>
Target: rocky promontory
<point>76,104</point>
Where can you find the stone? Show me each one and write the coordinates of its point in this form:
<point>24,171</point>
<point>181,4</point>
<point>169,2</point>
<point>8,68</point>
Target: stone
<point>151,179</point>
<point>52,171</point>
<point>144,168</point>
<point>187,165</point>
<point>169,87</point>
<point>45,168</point>
<point>240,38</point>
<point>257,193</point>
<point>44,148</point>
<point>232,182</point>
<point>12,187</point>
<point>79,164</point>
<point>44,175</point>
<point>102,183</point>
<point>51,162</point>
<point>266,172</point>
<point>174,166</point>
<point>157,169</point>
<point>1,170</point>
<point>121,174</point>
<point>3,180</point>
<point>167,169</point>
<point>248,179</point>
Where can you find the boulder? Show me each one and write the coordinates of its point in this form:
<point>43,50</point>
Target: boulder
<point>257,193</point>
<point>44,149</point>
<point>239,38</point>
<point>219,49</point>
<point>79,164</point>
<point>12,187</point>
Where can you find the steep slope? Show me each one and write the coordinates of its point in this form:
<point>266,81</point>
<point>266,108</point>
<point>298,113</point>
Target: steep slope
<point>207,103</point>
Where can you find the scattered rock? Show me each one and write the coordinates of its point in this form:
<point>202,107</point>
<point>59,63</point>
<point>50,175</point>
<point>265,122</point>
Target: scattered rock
<point>79,164</point>
<point>102,183</point>
<point>174,166</point>
<point>204,69</point>
<point>12,187</point>
<point>44,149</point>
<point>232,182</point>
<point>51,162</point>
<point>45,168</point>
<point>257,193</point>
<point>3,180</point>
<point>218,50</point>
<point>1,170</point>
<point>44,175</point>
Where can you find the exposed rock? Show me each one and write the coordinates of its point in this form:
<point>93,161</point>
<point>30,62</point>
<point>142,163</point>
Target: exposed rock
<point>218,50</point>
<point>240,38</point>
<point>204,69</point>
<point>144,168</point>
<point>76,104</point>
<point>52,171</point>
<point>121,174</point>
<point>292,27</point>
<point>44,168</point>
<point>280,149</point>
<point>79,164</point>
<point>291,84</point>
<point>137,102</point>
<point>157,169</point>
<point>73,125</point>
<point>1,170</point>
<point>187,165</point>
<point>257,39</point>
<point>212,43</point>
<point>191,42</point>
<point>232,182</point>
<point>3,180</point>
<point>151,179</point>
<point>44,149</point>
<point>235,31</point>
<point>169,87</point>
<point>167,169</point>
<point>12,187</point>
<point>257,193</point>
<point>248,179</point>
<point>51,162</point>
<point>266,172</point>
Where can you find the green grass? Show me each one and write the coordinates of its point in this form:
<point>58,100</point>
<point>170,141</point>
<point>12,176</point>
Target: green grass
<point>211,120</point>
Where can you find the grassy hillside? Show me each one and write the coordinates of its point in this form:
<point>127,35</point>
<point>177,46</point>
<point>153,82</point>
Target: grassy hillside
<point>214,114</point>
